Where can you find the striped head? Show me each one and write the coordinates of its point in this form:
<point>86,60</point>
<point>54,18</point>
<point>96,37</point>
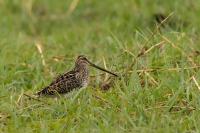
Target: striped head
<point>81,59</point>
<point>83,62</point>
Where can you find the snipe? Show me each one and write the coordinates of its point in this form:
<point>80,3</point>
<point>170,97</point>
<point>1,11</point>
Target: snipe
<point>77,78</point>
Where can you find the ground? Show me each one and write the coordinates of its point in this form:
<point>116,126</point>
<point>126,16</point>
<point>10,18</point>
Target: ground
<point>153,45</point>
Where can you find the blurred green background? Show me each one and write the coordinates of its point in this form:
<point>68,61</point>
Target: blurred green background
<point>41,38</point>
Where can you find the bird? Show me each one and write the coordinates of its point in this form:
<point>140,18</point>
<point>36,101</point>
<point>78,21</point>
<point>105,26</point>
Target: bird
<point>77,78</point>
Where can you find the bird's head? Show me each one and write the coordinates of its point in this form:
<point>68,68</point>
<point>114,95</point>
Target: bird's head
<point>83,61</point>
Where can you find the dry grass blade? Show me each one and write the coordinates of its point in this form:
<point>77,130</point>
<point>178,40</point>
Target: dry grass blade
<point>166,69</point>
<point>40,51</point>
<point>3,116</point>
<point>133,61</point>
<point>58,58</point>
<point>72,6</point>
<point>162,107</point>
<point>30,106</point>
<point>152,79</point>
<point>28,5</point>
<point>19,98</point>
<point>179,49</point>
<point>104,63</point>
<point>164,20</point>
<point>196,83</point>
<point>145,51</point>
<point>158,27</point>
<point>129,52</point>
<point>106,102</point>
<point>154,46</point>
<point>36,99</point>
<point>148,50</point>
<point>39,48</point>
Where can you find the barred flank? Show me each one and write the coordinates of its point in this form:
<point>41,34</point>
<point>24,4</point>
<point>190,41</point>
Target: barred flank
<point>45,91</point>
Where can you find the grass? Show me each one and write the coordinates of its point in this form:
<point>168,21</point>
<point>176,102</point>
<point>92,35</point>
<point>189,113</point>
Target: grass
<point>111,33</point>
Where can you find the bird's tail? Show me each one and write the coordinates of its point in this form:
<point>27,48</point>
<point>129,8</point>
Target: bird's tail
<point>35,98</point>
<point>42,92</point>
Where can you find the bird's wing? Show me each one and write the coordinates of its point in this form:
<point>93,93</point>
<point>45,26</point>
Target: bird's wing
<point>62,84</point>
<point>65,76</point>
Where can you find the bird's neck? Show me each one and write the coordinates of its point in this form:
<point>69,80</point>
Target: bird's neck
<point>81,68</point>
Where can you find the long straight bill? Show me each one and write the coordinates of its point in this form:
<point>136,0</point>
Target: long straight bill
<point>102,69</point>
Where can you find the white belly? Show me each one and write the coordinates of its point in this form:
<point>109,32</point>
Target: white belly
<point>84,83</point>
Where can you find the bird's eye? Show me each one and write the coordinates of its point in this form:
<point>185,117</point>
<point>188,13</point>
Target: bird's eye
<point>81,57</point>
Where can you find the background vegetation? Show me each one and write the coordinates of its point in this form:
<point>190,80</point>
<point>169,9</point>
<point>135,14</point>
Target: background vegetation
<point>154,45</point>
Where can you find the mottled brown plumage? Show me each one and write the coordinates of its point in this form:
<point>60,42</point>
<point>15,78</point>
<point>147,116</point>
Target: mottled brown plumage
<point>75,79</point>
